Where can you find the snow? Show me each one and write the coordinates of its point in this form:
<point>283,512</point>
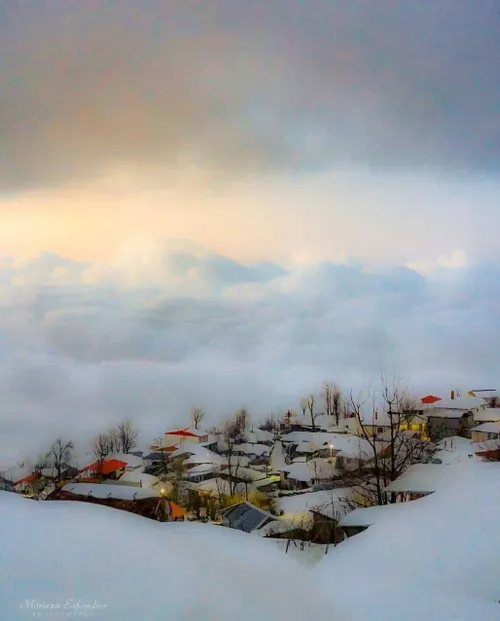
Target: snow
<point>259,435</point>
<point>218,486</point>
<point>435,559</point>
<point>458,403</point>
<point>309,471</point>
<point>198,454</point>
<point>277,459</point>
<point>488,427</point>
<point>132,461</point>
<point>425,478</point>
<point>138,477</point>
<point>103,490</point>
<point>77,551</point>
<point>298,506</point>
<point>253,449</point>
<point>368,516</point>
<point>488,415</point>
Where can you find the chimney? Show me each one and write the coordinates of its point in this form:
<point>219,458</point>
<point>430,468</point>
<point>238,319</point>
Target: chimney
<point>452,394</point>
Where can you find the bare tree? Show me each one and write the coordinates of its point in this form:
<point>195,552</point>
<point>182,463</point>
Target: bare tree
<point>197,415</point>
<point>104,445</point>
<point>269,424</point>
<point>391,452</point>
<point>232,433</point>
<point>162,467</point>
<point>332,398</point>
<point>125,437</point>
<point>59,456</point>
<point>311,399</point>
<point>303,405</point>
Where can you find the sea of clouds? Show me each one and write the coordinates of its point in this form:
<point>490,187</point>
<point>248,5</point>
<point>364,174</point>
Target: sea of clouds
<point>160,331</point>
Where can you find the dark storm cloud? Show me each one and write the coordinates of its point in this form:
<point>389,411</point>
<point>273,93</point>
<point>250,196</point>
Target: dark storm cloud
<point>247,85</point>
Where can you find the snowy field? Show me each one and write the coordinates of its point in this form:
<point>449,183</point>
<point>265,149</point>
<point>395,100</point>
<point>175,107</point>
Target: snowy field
<point>439,560</point>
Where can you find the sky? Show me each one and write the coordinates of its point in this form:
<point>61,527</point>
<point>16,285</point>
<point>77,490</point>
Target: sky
<point>224,203</point>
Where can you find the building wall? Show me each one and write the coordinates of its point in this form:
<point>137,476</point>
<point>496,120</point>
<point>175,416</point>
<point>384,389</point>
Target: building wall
<point>439,428</point>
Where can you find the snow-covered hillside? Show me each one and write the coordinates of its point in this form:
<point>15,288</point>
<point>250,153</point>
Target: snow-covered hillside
<point>437,560</point>
<point>137,569</point>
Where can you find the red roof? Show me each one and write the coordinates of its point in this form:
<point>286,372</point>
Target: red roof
<point>108,466</point>
<point>185,433</point>
<point>430,399</point>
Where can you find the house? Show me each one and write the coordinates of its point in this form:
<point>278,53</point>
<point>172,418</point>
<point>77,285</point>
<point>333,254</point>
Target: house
<point>184,436</point>
<point>109,468</point>
<point>325,527</point>
<point>381,422</point>
<point>452,417</point>
<point>67,473</point>
<point>362,518</point>
<point>302,475</point>
<point>487,415</point>
<point>218,487</point>
<point>6,485</point>
<point>319,422</point>
<point>254,452</point>
<point>424,479</point>
<point>246,517</point>
<point>260,436</point>
<point>201,472</point>
<point>300,508</point>
<point>486,431</point>
<point>146,502</point>
<point>133,462</point>
<point>137,478</point>
<point>155,461</point>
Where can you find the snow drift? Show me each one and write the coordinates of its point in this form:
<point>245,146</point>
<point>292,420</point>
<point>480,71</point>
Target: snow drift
<point>130,568</point>
<point>437,560</point>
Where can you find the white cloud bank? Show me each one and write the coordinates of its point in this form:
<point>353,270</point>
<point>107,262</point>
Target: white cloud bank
<point>175,325</point>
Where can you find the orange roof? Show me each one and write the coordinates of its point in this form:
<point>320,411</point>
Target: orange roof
<point>177,511</point>
<point>27,479</point>
<point>430,399</point>
<point>185,433</point>
<point>108,466</point>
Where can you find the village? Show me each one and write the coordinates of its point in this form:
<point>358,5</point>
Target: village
<point>308,479</point>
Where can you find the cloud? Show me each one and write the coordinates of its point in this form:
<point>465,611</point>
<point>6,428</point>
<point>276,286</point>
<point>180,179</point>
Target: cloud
<point>246,86</point>
<point>77,355</point>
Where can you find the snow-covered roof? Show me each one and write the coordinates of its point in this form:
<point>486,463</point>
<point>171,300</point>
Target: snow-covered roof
<point>299,505</point>
<point>217,486</point>
<point>259,435</point>
<point>319,468</point>
<point>458,403</point>
<point>197,454</point>
<point>246,516</point>
<point>132,461</point>
<point>202,469</point>
<point>429,478</point>
<point>488,427</point>
<point>247,474</point>
<point>137,476</point>
<point>104,490</point>
<point>321,421</point>
<point>368,516</point>
<point>487,415</point>
<point>253,449</point>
